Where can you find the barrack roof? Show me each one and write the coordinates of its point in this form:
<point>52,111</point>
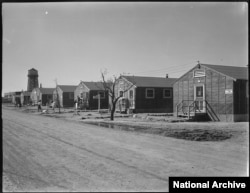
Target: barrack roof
<point>143,81</point>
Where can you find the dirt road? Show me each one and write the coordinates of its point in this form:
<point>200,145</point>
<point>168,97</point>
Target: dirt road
<point>49,154</point>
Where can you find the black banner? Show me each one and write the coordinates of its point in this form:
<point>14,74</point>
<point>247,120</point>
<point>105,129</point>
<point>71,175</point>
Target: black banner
<point>208,184</point>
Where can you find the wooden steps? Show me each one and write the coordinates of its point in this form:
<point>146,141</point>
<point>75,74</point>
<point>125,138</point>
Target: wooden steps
<point>195,116</point>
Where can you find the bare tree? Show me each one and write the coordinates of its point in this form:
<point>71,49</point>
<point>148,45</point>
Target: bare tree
<point>57,98</point>
<point>109,85</point>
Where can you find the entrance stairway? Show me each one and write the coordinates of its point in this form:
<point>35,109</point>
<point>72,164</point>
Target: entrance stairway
<point>189,109</point>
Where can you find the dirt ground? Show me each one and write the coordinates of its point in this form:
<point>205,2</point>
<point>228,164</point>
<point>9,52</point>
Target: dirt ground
<point>154,123</point>
<point>60,152</point>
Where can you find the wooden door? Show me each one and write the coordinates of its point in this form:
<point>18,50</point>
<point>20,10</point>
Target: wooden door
<point>199,94</point>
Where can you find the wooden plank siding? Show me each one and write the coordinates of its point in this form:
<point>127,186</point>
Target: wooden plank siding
<point>93,103</point>
<point>241,102</point>
<point>84,93</point>
<point>224,105</point>
<point>81,88</point>
<point>46,98</point>
<point>123,85</point>
<point>176,94</point>
<point>142,104</point>
<point>156,104</point>
<point>68,99</point>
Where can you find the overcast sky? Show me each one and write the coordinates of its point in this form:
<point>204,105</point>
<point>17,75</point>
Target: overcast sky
<point>75,41</point>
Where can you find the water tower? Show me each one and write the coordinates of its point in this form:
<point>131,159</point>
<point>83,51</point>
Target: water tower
<point>32,79</point>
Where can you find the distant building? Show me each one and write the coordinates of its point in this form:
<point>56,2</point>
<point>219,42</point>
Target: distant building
<point>25,97</point>
<point>32,79</point>
<point>87,92</point>
<point>8,97</point>
<point>145,94</point>
<point>65,94</point>
<point>16,97</point>
<point>43,94</point>
<point>219,93</point>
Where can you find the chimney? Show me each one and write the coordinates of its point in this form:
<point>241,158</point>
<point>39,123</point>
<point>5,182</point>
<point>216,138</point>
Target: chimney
<point>166,75</point>
<point>40,85</point>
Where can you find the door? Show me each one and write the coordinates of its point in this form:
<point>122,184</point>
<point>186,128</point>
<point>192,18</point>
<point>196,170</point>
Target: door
<point>131,99</point>
<point>199,93</point>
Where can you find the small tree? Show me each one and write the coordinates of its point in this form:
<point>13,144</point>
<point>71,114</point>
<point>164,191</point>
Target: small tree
<point>57,98</point>
<point>109,85</point>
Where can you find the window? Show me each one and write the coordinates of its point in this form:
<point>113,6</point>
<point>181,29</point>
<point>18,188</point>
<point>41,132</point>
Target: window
<point>121,93</point>
<point>131,94</point>
<point>199,73</point>
<point>167,93</point>
<point>71,95</point>
<point>102,94</point>
<point>199,91</point>
<point>150,93</point>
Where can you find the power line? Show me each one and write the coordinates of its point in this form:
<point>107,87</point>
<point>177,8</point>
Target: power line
<point>166,68</point>
<point>171,69</point>
<point>163,74</point>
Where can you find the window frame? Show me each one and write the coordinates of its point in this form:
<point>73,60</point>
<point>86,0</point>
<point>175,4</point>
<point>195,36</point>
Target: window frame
<point>146,93</point>
<point>171,93</point>
<point>119,93</point>
<point>197,92</point>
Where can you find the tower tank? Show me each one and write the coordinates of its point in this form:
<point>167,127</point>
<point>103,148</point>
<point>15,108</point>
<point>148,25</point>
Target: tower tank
<point>32,79</point>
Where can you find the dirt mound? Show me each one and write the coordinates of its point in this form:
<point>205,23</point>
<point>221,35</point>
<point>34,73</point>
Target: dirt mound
<point>190,134</point>
<point>199,135</point>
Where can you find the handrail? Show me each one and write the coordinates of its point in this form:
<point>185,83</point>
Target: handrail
<point>192,107</point>
<point>182,106</point>
<point>211,112</point>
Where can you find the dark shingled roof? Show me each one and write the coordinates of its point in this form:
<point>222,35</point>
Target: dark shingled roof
<point>47,90</point>
<point>67,88</point>
<point>231,71</point>
<point>142,81</point>
<point>94,85</point>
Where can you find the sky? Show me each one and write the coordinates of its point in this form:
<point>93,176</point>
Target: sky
<point>74,41</point>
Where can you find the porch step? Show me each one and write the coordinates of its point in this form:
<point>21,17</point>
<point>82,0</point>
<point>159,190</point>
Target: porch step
<point>201,117</point>
<point>196,117</point>
<point>186,114</point>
